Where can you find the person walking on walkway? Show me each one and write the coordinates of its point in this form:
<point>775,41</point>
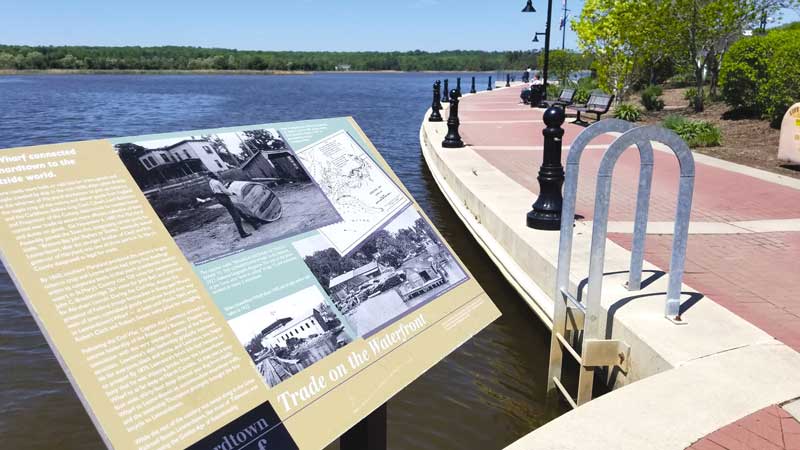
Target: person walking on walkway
<point>223,196</point>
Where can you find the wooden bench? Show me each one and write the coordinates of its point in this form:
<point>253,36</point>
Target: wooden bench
<point>564,99</point>
<point>598,104</point>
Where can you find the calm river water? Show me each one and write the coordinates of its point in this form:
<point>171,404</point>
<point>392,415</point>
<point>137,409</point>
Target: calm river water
<point>484,396</point>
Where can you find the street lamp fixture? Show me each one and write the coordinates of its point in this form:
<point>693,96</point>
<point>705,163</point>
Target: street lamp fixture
<point>529,7</point>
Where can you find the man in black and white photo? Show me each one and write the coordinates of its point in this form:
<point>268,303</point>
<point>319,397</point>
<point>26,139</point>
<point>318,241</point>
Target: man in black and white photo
<point>255,177</point>
<point>223,196</point>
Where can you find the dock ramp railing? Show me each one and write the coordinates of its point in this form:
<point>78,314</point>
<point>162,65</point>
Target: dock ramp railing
<point>575,322</point>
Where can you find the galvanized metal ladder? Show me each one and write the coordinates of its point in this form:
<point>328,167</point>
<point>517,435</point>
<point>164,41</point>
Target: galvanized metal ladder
<point>577,322</point>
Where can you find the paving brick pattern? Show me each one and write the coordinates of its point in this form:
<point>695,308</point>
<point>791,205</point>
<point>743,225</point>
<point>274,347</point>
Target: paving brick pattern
<point>753,275</point>
<point>771,428</point>
<point>720,195</point>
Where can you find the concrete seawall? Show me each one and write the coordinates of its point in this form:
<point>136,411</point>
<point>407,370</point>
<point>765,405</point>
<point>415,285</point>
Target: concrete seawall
<point>690,380</point>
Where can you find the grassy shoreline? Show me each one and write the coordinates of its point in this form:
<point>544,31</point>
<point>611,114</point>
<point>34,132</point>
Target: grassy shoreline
<point>150,72</point>
<point>8,72</point>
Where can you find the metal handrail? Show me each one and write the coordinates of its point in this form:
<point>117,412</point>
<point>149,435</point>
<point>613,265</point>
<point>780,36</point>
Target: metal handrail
<point>566,234</point>
<point>571,193</point>
<point>681,231</point>
<point>597,351</point>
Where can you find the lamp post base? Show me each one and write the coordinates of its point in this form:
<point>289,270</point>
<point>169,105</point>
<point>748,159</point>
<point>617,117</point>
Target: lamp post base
<point>544,220</point>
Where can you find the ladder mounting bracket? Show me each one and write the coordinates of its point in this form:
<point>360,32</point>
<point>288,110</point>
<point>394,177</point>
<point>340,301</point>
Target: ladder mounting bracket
<point>606,352</point>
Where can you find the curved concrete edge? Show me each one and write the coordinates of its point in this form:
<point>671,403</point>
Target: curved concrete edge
<point>674,409</point>
<point>513,273</point>
<point>702,360</point>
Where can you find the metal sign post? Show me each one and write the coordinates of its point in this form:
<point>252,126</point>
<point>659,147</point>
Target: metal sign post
<point>369,434</point>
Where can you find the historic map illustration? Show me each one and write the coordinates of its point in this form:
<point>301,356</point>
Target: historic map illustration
<point>361,192</point>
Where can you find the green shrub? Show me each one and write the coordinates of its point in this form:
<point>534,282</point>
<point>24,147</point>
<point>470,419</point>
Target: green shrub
<point>691,96</point>
<point>708,135</point>
<point>674,121</point>
<point>696,133</point>
<point>760,73</point>
<point>782,88</point>
<point>682,80</point>
<point>627,112</point>
<point>743,72</point>
<point>584,88</point>
<point>553,91</point>
<point>588,83</point>
<point>581,95</point>
<point>651,98</point>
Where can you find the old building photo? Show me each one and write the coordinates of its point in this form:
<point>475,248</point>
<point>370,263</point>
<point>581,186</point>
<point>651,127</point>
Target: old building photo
<point>220,193</point>
<point>397,269</point>
<point>288,335</point>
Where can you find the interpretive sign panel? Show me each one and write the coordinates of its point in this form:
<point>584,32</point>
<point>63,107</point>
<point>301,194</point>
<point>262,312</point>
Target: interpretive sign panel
<point>789,145</point>
<point>260,287</point>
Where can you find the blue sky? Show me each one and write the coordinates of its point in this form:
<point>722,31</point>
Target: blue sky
<point>283,25</point>
<point>344,25</point>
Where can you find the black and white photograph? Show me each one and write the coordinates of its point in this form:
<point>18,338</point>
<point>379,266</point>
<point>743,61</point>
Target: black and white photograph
<point>397,269</point>
<point>290,334</point>
<point>221,193</point>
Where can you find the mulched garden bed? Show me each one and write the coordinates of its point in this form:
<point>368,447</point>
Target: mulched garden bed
<point>745,140</point>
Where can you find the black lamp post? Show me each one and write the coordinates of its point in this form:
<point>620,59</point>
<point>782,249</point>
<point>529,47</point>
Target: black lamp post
<point>529,9</point>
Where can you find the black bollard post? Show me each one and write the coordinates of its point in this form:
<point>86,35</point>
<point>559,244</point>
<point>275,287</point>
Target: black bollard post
<point>472,89</point>
<point>508,80</point>
<point>490,84</point>
<point>546,213</point>
<point>435,106</point>
<point>445,98</point>
<point>438,95</point>
<point>453,139</point>
<point>458,87</point>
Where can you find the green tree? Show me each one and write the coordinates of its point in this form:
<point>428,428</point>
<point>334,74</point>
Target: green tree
<point>562,63</point>
<point>772,9</point>
<point>70,62</point>
<point>222,150</point>
<point>34,60</point>
<point>129,154</point>
<point>260,140</point>
<point>194,58</point>
<point>6,60</point>
<point>706,29</point>
<point>622,35</point>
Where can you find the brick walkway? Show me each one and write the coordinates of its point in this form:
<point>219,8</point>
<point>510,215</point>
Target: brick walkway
<point>746,257</point>
<point>771,428</point>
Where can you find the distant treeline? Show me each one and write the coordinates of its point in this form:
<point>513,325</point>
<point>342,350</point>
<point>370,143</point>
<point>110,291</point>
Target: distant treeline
<point>194,58</point>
